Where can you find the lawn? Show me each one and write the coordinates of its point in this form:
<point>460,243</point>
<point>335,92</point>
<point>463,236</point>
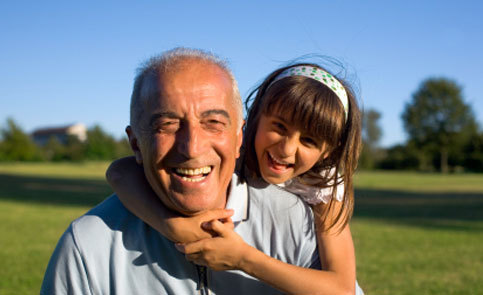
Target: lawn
<point>414,233</point>
<point>419,233</point>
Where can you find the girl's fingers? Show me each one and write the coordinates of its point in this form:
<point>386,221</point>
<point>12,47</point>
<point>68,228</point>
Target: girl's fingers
<point>228,223</point>
<point>180,247</point>
<point>224,215</point>
<point>190,248</point>
<point>196,259</point>
<point>216,226</point>
<point>192,257</point>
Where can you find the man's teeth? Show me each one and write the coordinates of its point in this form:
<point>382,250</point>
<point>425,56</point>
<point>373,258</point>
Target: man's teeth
<point>197,172</point>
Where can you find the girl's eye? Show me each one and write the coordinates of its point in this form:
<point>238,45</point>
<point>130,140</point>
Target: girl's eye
<point>279,126</point>
<point>309,141</point>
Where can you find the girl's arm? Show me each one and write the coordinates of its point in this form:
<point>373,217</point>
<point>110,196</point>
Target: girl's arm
<point>127,180</point>
<point>229,251</point>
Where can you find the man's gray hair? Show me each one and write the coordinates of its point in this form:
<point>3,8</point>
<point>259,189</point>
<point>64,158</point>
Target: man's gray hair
<point>146,80</point>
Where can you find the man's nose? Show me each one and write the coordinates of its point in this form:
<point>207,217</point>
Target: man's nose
<point>190,141</point>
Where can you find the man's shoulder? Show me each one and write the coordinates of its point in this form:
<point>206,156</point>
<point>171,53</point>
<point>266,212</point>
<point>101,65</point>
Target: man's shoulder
<point>110,208</point>
<point>109,215</point>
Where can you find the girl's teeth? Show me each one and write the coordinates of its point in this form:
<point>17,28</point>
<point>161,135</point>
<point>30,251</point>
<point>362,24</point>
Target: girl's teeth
<point>278,161</point>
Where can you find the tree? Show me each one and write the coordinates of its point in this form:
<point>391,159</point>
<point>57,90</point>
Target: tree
<point>474,153</point>
<point>123,148</point>
<point>16,145</point>
<point>401,157</point>
<point>53,150</point>
<point>371,131</point>
<point>438,120</point>
<point>74,149</point>
<point>371,134</point>
<point>100,145</point>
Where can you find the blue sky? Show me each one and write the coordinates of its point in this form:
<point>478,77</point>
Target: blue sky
<point>64,62</point>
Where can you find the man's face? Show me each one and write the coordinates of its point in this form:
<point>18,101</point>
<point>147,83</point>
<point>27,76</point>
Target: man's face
<point>191,138</point>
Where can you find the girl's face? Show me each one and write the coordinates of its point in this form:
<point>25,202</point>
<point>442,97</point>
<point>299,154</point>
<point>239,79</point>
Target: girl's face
<point>284,151</point>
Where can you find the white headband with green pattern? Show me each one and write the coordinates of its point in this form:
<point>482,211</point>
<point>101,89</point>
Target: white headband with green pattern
<point>321,76</point>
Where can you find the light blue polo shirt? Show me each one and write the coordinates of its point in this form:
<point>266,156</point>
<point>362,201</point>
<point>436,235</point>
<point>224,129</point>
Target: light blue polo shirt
<point>110,251</point>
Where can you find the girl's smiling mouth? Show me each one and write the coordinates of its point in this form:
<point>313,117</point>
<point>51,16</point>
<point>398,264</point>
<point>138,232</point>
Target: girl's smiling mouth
<point>277,164</point>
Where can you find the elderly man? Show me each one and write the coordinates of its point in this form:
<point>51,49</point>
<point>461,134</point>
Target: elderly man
<point>186,131</point>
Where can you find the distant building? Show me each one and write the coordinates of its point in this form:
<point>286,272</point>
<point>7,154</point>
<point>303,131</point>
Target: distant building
<point>42,136</point>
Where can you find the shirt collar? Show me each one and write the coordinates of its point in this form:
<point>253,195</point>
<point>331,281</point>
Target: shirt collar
<point>238,199</point>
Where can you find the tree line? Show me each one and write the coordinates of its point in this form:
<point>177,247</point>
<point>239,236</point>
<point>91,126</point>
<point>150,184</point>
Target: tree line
<point>443,135</point>
<point>16,145</point>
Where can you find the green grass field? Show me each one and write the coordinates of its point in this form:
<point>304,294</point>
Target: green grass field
<point>414,233</point>
<point>419,233</point>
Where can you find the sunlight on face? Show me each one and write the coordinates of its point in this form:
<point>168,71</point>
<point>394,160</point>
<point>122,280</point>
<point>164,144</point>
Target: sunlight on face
<point>194,138</point>
<point>284,151</point>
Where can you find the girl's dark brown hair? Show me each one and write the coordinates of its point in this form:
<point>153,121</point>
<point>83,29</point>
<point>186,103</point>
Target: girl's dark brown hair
<point>311,106</point>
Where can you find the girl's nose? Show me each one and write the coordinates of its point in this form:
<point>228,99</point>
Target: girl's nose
<point>289,146</point>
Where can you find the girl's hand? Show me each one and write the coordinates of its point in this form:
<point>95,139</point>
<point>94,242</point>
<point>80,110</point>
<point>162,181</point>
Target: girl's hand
<point>190,229</point>
<point>224,252</point>
<point>127,179</point>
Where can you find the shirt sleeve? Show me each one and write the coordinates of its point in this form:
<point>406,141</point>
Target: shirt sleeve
<point>308,255</point>
<point>66,273</point>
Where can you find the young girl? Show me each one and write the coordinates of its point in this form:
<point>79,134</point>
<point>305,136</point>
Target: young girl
<point>303,133</point>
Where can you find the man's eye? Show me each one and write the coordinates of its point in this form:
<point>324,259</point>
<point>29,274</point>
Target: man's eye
<point>214,124</point>
<point>168,126</point>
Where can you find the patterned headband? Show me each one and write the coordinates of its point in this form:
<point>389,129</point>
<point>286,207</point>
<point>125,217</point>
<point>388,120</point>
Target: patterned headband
<point>321,76</point>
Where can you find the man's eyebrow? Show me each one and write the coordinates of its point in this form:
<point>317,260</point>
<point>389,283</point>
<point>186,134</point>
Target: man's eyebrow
<point>169,115</point>
<point>216,112</point>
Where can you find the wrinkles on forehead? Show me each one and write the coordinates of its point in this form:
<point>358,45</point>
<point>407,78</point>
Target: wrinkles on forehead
<point>172,115</point>
<point>152,87</point>
<point>184,64</point>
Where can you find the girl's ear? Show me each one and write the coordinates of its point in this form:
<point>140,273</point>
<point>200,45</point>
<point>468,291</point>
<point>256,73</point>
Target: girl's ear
<point>325,152</point>
<point>133,142</point>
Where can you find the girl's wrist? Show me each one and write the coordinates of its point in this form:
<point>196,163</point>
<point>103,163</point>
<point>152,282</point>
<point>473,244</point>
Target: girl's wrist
<point>249,257</point>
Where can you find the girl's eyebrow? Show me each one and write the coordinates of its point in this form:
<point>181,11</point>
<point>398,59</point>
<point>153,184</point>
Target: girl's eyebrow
<point>280,118</point>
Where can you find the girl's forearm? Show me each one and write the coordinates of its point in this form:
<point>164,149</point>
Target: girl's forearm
<point>127,180</point>
<point>292,279</point>
<point>228,251</point>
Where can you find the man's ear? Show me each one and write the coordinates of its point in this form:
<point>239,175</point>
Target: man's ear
<point>133,142</point>
<point>239,138</point>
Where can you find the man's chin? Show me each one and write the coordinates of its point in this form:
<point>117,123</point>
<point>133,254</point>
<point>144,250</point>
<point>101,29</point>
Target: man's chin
<point>193,203</point>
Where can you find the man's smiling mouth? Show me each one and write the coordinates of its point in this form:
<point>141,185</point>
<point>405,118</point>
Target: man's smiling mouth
<point>193,174</point>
